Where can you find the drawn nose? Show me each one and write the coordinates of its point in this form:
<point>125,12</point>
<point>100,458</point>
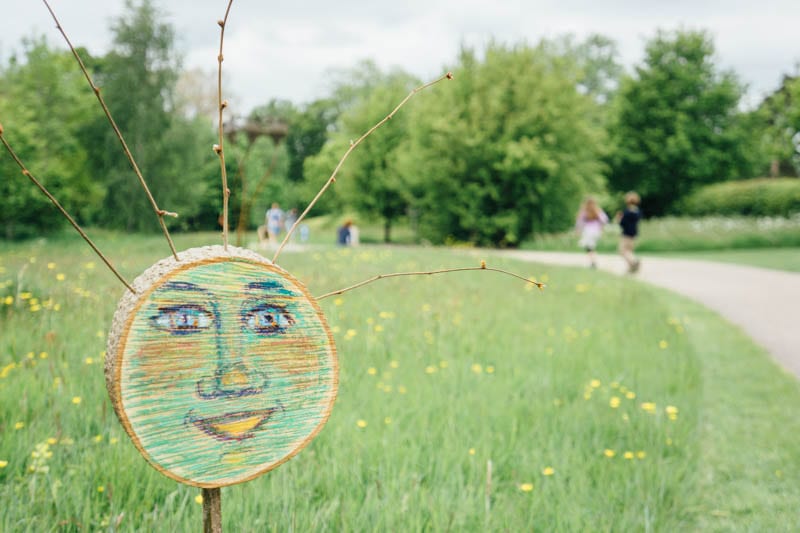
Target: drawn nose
<point>232,381</point>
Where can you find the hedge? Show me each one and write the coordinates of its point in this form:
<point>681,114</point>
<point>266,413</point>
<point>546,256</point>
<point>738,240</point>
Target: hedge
<point>755,197</point>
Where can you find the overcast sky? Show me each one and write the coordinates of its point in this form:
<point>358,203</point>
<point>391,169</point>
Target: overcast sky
<point>284,49</point>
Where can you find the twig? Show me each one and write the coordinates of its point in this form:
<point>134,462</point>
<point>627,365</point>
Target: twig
<point>218,148</point>
<point>159,212</point>
<point>41,187</point>
<point>428,273</point>
<point>448,76</point>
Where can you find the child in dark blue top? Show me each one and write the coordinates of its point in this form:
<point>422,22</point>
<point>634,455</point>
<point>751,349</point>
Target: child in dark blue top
<point>629,221</point>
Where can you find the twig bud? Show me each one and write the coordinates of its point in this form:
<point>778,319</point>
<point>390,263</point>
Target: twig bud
<point>224,104</point>
<point>449,75</point>
<point>221,23</point>
<point>483,264</point>
<point>1,129</point>
<point>220,58</point>
<point>217,148</point>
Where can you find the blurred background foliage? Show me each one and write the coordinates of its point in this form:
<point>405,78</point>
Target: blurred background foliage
<point>501,155</point>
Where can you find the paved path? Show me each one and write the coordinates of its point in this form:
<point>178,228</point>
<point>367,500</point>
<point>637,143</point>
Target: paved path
<point>764,303</point>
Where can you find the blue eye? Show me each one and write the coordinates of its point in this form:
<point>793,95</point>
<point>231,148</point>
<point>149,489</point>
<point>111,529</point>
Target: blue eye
<point>182,319</point>
<point>267,319</point>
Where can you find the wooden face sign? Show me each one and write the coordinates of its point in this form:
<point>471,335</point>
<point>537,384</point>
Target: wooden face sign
<point>221,367</point>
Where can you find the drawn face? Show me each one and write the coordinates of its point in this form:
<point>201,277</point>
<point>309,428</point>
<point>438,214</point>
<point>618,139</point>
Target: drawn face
<point>227,369</point>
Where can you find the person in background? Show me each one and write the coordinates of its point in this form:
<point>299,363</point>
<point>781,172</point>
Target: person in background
<point>343,233</point>
<point>629,221</point>
<point>274,223</point>
<point>589,224</point>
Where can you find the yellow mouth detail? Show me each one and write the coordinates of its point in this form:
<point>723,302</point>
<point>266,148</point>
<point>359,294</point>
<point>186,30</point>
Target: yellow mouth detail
<point>238,427</point>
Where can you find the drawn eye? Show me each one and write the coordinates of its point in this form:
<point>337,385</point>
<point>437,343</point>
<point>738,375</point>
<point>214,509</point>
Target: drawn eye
<point>267,319</point>
<point>182,319</point>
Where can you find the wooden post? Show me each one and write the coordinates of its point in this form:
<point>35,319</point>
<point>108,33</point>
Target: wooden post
<point>212,511</point>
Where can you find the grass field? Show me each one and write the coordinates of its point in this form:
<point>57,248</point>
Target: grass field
<point>671,234</point>
<point>602,405</point>
<point>775,258</point>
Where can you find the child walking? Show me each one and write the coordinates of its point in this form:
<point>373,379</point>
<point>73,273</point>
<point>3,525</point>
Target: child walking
<point>589,223</point>
<point>629,221</point>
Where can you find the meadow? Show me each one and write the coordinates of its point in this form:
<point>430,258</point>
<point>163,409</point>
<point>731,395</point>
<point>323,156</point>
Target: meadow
<point>599,404</point>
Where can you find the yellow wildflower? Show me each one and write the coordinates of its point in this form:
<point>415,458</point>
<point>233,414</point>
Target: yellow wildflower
<point>372,371</point>
<point>401,389</point>
<point>76,400</point>
<point>430,369</point>
<point>19,425</point>
<point>101,488</point>
<point>477,368</point>
<point>98,438</point>
<point>394,364</point>
<point>472,451</point>
<point>3,463</point>
<point>649,407</point>
<point>338,301</point>
<point>630,395</point>
<point>88,360</point>
<point>526,487</point>
<point>663,344</point>
<point>60,276</point>
<point>361,423</point>
<point>51,266</point>
<point>443,364</point>
<point>198,499</point>
<point>8,300</point>
<point>614,402</point>
<point>595,383</point>
<point>641,454</point>
<point>548,471</point>
<point>628,455</point>
<point>609,453</point>
<point>387,420</point>
<point>378,328</point>
<point>52,441</point>
<point>43,355</point>
<point>489,369</point>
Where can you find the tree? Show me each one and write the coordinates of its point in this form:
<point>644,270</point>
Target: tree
<point>504,151</point>
<point>677,125</point>
<point>138,79</point>
<point>43,109</point>
<point>778,121</point>
<point>369,181</point>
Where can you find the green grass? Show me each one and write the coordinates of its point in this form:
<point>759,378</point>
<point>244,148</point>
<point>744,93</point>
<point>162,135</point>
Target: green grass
<point>775,258</point>
<point>672,234</point>
<point>468,368</point>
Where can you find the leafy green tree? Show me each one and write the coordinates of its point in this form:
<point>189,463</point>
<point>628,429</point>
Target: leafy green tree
<point>138,79</point>
<point>677,125</point>
<point>778,121</point>
<point>369,182</point>
<point>505,150</point>
<point>43,108</point>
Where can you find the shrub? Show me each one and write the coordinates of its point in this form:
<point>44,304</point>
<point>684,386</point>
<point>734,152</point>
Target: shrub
<point>756,197</point>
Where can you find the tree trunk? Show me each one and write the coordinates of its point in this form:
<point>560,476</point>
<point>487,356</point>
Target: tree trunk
<point>387,231</point>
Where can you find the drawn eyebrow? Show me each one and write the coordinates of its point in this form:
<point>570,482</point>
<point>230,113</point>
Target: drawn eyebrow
<point>182,286</point>
<point>273,287</point>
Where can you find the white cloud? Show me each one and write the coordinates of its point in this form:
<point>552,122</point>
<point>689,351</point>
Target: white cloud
<point>284,49</point>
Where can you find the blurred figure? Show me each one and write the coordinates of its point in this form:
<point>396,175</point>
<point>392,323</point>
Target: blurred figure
<point>589,224</point>
<point>629,221</point>
<point>343,233</point>
<point>291,219</point>
<point>274,222</point>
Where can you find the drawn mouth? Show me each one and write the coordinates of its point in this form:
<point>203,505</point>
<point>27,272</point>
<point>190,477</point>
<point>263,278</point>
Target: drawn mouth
<point>237,426</point>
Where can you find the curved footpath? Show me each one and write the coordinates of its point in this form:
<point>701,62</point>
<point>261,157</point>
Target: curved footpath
<point>764,303</point>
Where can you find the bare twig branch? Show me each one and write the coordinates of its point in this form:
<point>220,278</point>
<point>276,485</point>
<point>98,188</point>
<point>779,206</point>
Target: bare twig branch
<point>41,187</point>
<point>159,212</point>
<point>219,148</point>
<point>429,273</point>
<point>448,76</point>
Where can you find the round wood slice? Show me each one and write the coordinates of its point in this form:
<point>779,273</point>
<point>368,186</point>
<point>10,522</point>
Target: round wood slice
<point>221,367</point>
